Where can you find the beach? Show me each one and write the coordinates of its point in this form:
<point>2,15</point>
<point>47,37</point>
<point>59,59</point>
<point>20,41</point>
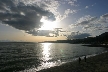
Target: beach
<point>98,63</point>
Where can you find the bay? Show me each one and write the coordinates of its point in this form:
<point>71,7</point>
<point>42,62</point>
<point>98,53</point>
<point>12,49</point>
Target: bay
<point>30,57</point>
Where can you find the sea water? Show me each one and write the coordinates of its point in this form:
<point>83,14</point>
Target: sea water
<point>31,57</point>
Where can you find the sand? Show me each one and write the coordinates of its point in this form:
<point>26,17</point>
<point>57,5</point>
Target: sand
<point>98,63</point>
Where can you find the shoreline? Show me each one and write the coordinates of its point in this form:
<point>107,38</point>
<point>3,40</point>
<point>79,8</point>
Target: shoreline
<point>96,45</point>
<point>97,63</point>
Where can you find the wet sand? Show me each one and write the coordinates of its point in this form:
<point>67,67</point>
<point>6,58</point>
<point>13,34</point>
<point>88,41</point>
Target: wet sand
<point>98,63</point>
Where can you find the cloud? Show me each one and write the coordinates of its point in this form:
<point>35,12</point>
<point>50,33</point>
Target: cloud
<point>53,6</point>
<point>26,15</point>
<point>72,2</point>
<point>86,20</point>
<point>93,4</point>
<point>22,15</point>
<point>40,32</point>
<point>77,35</point>
<point>68,11</point>
<point>81,36</point>
<point>103,19</point>
<point>89,22</point>
<point>48,33</point>
<point>66,14</point>
<point>86,7</point>
<point>105,15</point>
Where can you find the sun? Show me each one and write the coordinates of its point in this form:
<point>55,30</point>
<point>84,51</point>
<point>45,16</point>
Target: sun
<point>48,25</point>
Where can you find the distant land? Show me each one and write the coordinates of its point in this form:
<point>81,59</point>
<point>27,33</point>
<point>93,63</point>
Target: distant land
<point>98,40</point>
<point>11,41</point>
<point>101,39</point>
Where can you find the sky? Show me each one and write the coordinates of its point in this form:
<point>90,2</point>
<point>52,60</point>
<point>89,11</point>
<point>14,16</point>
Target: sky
<point>50,20</point>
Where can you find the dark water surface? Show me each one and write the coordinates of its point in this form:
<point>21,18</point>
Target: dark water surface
<point>30,57</point>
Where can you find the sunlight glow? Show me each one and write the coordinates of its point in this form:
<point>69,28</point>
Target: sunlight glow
<point>46,51</point>
<point>48,25</point>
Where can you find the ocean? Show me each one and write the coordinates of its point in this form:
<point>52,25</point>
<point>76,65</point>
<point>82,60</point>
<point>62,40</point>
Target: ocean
<point>32,57</point>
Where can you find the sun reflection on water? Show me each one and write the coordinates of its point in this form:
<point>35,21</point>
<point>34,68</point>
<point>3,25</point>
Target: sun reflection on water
<point>46,63</point>
<point>46,59</point>
<point>46,51</point>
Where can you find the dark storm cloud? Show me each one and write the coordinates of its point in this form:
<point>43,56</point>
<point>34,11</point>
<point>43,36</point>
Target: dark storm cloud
<point>21,16</point>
